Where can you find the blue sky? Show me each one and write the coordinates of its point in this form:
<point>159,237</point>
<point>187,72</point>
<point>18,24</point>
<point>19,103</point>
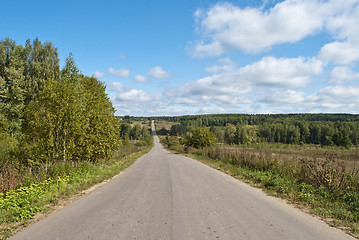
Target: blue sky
<point>203,56</point>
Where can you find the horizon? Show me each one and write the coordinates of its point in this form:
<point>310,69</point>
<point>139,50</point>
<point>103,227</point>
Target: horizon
<point>205,57</point>
<point>245,114</point>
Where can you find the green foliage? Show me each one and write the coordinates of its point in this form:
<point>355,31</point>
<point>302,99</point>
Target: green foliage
<point>70,73</point>
<point>283,179</point>
<point>245,134</point>
<point>49,116</point>
<point>140,134</point>
<point>22,203</point>
<point>125,129</point>
<point>73,121</point>
<point>102,134</point>
<point>163,132</point>
<point>58,131</point>
<point>19,204</point>
<point>135,132</point>
<point>171,141</point>
<point>12,85</point>
<point>55,123</point>
<point>229,134</point>
<point>321,129</point>
<point>41,64</point>
<point>200,137</point>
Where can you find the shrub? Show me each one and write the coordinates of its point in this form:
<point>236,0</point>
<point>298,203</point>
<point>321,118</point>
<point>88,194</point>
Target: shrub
<point>200,137</point>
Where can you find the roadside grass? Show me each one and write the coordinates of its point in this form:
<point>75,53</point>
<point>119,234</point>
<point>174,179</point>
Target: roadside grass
<point>20,207</point>
<point>336,202</point>
<point>337,212</point>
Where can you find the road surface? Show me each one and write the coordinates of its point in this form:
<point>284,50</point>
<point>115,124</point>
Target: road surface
<point>167,196</point>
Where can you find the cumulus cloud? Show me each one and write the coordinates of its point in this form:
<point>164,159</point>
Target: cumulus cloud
<point>158,72</point>
<point>342,18</point>
<point>224,65</point>
<point>141,78</point>
<point>99,74</point>
<point>122,73</point>
<point>283,97</point>
<point>134,95</point>
<point>270,84</point>
<point>226,27</point>
<point>130,95</point>
<point>340,52</point>
<point>342,74</point>
<point>334,99</point>
<point>281,72</point>
<point>130,101</point>
<point>241,86</point>
<point>342,23</point>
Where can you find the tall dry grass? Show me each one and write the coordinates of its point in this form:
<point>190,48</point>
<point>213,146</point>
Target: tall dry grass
<point>336,170</point>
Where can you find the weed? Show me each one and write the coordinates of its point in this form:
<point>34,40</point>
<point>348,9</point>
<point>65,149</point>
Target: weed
<point>325,180</point>
<point>23,203</point>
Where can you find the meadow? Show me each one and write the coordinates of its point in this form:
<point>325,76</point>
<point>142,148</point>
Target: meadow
<point>323,181</point>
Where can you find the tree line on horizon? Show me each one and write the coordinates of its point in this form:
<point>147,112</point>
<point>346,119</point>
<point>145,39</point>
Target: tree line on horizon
<point>320,129</point>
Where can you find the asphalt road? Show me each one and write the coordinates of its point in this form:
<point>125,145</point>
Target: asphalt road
<point>167,196</point>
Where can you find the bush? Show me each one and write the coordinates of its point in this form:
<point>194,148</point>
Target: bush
<point>200,137</point>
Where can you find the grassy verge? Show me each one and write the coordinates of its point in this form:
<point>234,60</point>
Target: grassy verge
<point>315,200</point>
<point>20,207</point>
<point>337,208</point>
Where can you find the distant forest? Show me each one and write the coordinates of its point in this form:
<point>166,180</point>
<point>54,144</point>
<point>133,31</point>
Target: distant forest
<point>320,129</point>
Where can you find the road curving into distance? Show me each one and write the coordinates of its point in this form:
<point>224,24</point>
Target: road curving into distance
<point>167,196</point>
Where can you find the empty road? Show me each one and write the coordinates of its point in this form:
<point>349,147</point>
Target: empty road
<point>167,196</point>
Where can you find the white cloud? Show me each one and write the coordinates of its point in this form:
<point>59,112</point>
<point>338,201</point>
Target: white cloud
<point>342,23</point>
<point>117,86</point>
<point>283,97</point>
<point>134,95</point>
<point>130,95</point>
<point>130,101</point>
<point>122,73</point>
<point>343,17</point>
<point>281,72</point>
<point>225,65</point>
<point>334,99</point>
<point>342,74</point>
<point>340,52</point>
<point>226,27</point>
<point>158,72</point>
<point>99,74</point>
<point>141,78</point>
<point>238,87</point>
<point>270,84</point>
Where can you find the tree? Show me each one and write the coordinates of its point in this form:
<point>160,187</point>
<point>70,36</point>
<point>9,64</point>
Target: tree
<point>102,134</point>
<point>326,135</point>
<point>125,129</point>
<point>245,134</point>
<point>42,64</point>
<point>135,133</point>
<point>70,73</point>
<point>200,137</point>
<point>217,133</point>
<point>55,124</point>
<point>176,130</point>
<point>12,89</point>
<point>229,134</point>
